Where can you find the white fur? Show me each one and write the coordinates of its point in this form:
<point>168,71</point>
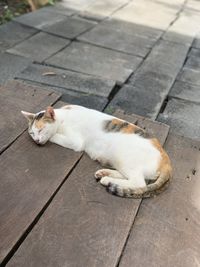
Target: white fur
<point>81,129</point>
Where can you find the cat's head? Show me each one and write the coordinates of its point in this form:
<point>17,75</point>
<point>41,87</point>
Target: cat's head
<point>42,125</point>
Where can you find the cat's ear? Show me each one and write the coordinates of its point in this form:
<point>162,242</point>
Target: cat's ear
<point>29,116</point>
<point>49,113</point>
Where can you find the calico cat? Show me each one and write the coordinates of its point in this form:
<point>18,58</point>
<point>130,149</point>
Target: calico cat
<point>112,141</point>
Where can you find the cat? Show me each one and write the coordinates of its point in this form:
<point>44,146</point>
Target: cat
<point>134,159</point>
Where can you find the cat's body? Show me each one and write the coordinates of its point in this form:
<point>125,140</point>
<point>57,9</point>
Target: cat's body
<point>109,140</point>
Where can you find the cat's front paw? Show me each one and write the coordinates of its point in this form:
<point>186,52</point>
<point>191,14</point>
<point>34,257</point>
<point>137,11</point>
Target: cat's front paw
<point>105,180</point>
<point>100,173</point>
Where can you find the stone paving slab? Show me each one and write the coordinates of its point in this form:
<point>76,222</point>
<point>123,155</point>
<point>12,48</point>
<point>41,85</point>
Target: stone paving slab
<point>183,30</point>
<point>39,47</point>
<point>68,80</point>
<point>193,6</point>
<point>40,18</point>
<point>136,100</point>
<point>104,8</point>
<point>132,28</point>
<point>196,42</point>
<point>190,76</point>
<point>70,27</point>
<point>183,117</point>
<point>86,100</point>
<point>155,14</point>
<point>59,10</point>
<point>73,97</point>
<point>186,91</point>
<point>166,58</point>
<point>77,5</point>
<point>96,61</point>
<point>12,33</point>
<point>118,40</point>
<point>10,66</point>
<point>193,60</point>
<point>152,82</point>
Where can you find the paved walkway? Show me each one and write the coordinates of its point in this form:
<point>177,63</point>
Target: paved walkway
<point>141,56</point>
<point>118,56</point>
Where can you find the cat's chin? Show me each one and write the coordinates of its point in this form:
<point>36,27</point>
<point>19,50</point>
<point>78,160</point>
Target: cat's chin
<point>40,143</point>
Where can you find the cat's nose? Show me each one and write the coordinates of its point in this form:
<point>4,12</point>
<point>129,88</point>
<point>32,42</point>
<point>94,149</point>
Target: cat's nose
<point>37,141</point>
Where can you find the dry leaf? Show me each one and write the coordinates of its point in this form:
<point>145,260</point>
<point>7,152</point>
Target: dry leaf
<point>50,73</point>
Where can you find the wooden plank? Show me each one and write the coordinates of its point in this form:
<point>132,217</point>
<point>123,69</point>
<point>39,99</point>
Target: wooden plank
<point>30,175</point>
<point>14,97</point>
<point>84,226</point>
<point>166,231</point>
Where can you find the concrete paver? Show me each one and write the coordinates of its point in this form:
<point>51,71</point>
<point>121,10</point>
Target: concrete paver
<point>39,47</point>
<point>196,42</point>
<point>186,91</point>
<point>118,40</point>
<point>40,18</point>
<point>193,61</point>
<point>150,85</point>
<point>150,13</point>
<point>96,61</point>
<point>190,76</point>
<point>86,100</point>
<point>103,9</point>
<point>10,66</point>
<point>182,31</point>
<point>12,33</point>
<point>136,100</point>
<point>70,27</point>
<point>68,80</point>
<point>183,117</point>
<point>132,28</point>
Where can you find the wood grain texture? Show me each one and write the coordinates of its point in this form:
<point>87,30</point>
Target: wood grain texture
<point>84,225</point>
<point>166,231</point>
<point>30,174</point>
<point>14,97</point>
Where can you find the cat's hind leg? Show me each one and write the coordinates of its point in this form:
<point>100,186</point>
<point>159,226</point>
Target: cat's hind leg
<point>109,173</point>
<point>133,187</point>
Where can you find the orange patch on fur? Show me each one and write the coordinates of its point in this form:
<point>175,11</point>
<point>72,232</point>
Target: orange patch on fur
<point>117,121</point>
<point>127,127</point>
<point>39,123</point>
<point>130,128</point>
<point>165,163</point>
<point>117,125</point>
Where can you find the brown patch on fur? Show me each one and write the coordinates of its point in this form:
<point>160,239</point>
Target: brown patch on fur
<point>117,125</point>
<point>165,163</point>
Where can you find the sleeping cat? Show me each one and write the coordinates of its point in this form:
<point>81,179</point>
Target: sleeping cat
<point>135,159</point>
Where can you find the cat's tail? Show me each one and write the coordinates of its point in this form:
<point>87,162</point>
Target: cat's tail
<point>144,192</point>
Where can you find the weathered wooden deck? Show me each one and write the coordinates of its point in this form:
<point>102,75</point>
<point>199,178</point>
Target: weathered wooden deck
<point>53,213</point>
